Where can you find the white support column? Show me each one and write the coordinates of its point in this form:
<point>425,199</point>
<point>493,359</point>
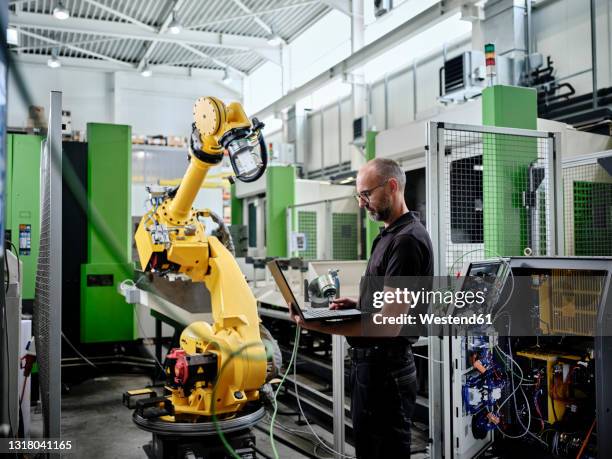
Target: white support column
<point>116,97</point>
<point>478,41</point>
<point>286,69</point>
<point>358,90</point>
<point>505,25</point>
<point>357,42</point>
<point>54,142</point>
<point>301,134</point>
<point>328,249</point>
<point>338,392</point>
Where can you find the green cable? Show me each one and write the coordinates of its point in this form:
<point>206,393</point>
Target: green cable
<point>215,420</point>
<point>291,362</point>
<point>232,356</point>
<point>452,267</point>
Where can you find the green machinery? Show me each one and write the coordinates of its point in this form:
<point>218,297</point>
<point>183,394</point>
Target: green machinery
<point>587,186</point>
<point>22,206</point>
<point>372,227</point>
<point>593,218</point>
<point>281,179</point>
<point>506,163</point>
<point>319,211</point>
<point>96,228</point>
<point>104,314</point>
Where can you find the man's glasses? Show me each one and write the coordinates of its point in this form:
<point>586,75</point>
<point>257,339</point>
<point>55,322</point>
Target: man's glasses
<point>365,194</point>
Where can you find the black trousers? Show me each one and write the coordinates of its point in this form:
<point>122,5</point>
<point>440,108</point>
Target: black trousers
<point>383,394</point>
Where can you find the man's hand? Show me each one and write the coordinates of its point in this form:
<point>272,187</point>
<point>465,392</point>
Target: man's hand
<point>350,328</point>
<point>342,303</point>
<point>314,326</point>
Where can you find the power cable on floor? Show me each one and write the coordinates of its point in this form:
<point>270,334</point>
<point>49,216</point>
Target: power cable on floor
<point>77,351</point>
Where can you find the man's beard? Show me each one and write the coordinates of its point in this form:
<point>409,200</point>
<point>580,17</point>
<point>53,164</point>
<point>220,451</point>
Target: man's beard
<point>381,215</point>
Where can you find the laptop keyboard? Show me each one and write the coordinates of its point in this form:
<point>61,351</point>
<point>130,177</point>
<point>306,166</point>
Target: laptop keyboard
<point>328,312</point>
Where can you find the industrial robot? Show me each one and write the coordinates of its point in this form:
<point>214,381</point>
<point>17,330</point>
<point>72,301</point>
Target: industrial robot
<point>214,379</point>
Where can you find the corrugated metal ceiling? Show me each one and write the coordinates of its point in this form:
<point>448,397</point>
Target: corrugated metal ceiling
<point>287,18</point>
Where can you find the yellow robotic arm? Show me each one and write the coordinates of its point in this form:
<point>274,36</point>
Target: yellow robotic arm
<point>171,240</point>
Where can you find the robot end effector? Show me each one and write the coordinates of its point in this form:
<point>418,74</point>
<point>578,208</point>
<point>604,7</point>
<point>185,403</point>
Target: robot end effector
<point>234,133</point>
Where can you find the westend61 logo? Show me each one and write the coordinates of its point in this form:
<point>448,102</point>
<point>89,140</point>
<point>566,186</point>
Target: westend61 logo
<point>422,296</point>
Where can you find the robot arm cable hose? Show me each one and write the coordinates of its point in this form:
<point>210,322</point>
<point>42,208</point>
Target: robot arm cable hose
<point>227,239</point>
<point>292,362</point>
<point>215,419</point>
<point>232,356</point>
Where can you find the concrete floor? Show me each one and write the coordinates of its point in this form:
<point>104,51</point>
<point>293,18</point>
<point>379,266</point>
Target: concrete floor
<point>101,427</point>
<point>94,418</point>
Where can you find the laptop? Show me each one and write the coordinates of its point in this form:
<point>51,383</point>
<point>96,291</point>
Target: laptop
<point>307,314</point>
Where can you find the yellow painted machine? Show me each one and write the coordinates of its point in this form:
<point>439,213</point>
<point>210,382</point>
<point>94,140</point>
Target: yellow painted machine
<point>171,240</point>
<point>556,364</point>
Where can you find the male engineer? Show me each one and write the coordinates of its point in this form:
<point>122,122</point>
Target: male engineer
<point>383,373</point>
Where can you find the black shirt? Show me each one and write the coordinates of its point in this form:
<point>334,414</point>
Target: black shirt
<point>402,249</point>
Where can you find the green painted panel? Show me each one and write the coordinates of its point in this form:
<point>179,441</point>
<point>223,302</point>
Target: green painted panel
<point>510,106</point>
<point>307,224</point>
<point>372,228</point>
<point>370,146</point>
<point>344,236</point>
<point>505,167</point>
<point>105,316</point>
<point>108,189</point>
<point>8,181</point>
<point>236,204</point>
<point>23,202</point>
<point>280,193</point>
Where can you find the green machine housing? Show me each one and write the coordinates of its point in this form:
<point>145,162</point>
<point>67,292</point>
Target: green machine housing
<point>23,206</point>
<point>504,219</point>
<point>96,233</point>
<point>105,316</point>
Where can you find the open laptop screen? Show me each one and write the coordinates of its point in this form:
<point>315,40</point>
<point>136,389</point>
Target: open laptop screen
<point>283,285</point>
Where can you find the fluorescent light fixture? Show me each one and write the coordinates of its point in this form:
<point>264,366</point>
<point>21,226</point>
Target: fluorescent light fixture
<point>274,40</point>
<point>61,12</point>
<point>54,61</point>
<point>227,79</point>
<point>146,71</point>
<point>175,26</point>
<point>12,36</point>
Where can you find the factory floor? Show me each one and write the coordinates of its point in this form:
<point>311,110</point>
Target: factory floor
<point>101,427</point>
